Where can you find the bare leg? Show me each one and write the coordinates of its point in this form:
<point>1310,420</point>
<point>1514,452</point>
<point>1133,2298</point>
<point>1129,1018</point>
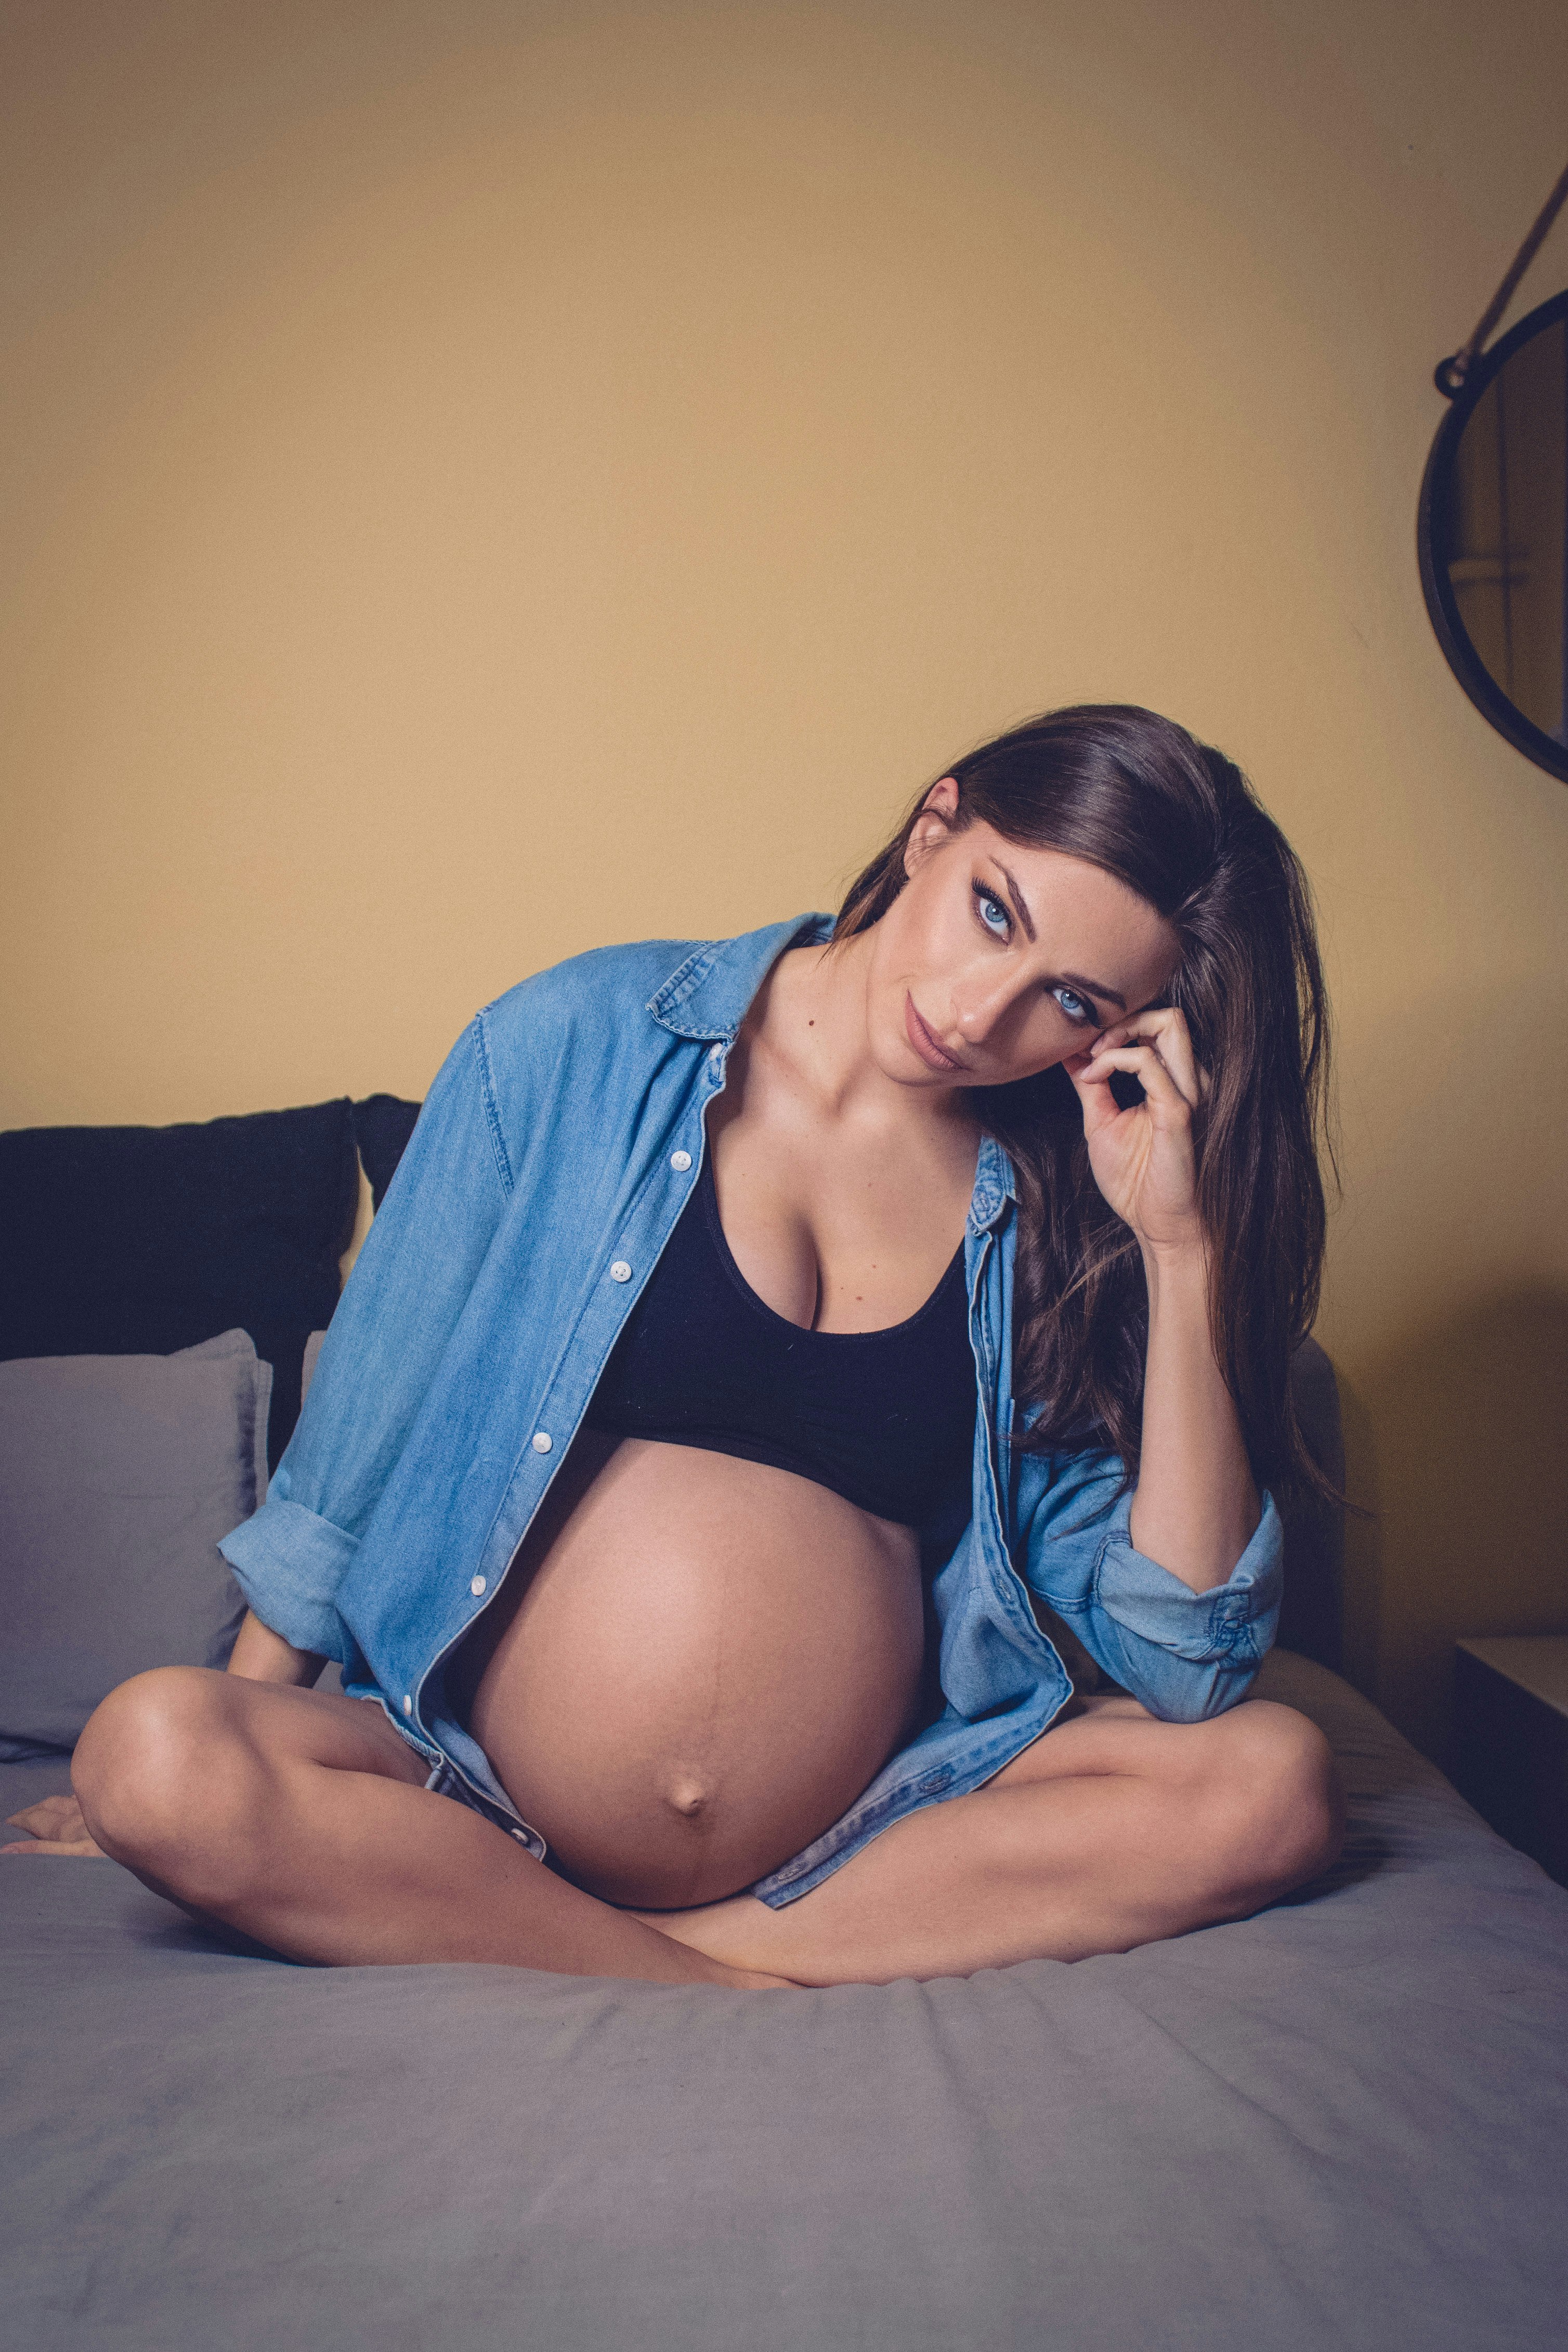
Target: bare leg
<point>1112,1830</point>
<point>300,1821</point>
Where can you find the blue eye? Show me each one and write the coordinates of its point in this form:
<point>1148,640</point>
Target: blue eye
<point>1074,1006</point>
<point>987,904</point>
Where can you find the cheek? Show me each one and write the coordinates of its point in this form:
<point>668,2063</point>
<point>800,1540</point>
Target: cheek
<point>1043,1045</point>
<point>906,949</point>
<point>1044,1037</point>
<point>937,939</point>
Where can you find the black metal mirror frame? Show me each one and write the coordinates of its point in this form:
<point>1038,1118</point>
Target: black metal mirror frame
<point>1462,657</point>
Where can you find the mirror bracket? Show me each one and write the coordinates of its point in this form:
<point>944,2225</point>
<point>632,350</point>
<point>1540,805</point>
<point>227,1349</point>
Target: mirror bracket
<point>1450,375</point>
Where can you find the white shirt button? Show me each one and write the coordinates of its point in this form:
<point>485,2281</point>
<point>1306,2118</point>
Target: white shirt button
<point>475,1586</point>
<point>620,1271</point>
<point>680,1161</point>
<point>542,1441</point>
<point>407,1704</point>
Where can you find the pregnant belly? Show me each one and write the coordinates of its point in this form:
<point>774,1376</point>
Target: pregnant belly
<point>696,1666</point>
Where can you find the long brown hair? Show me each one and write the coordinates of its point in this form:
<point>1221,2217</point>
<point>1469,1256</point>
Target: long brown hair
<point>1176,821</point>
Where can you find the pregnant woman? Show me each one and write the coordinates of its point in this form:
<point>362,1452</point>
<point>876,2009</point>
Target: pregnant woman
<point>763,1348</point>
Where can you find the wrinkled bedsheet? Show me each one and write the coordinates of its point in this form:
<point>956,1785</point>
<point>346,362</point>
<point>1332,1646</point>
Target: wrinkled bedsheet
<point>1342,2124</point>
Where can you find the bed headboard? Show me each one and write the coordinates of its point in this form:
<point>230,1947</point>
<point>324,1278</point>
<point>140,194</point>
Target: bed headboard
<point>1313,1618</point>
<point>278,1191</point>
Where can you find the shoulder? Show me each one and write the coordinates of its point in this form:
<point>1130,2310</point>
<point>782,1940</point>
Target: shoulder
<point>568,1051</point>
<point>596,1047</point>
<point>677,988</point>
<point>600,981</point>
<point>614,1016</point>
<point>582,1026</point>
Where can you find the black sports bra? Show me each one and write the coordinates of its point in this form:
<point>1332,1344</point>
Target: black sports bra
<point>884,1418</point>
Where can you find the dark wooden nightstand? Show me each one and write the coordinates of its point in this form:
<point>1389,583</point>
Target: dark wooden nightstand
<point>1510,1739</point>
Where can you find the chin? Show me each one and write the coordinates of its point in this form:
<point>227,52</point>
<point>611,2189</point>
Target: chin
<point>896,1057</point>
<point>901,1067</point>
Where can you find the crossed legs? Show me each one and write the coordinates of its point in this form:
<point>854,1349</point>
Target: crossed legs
<point>300,1821</point>
<point>1112,1830</point>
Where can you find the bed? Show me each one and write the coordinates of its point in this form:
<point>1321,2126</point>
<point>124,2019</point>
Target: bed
<point>1343,2123</point>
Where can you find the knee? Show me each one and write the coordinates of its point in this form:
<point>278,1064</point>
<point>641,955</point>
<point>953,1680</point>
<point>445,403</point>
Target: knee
<point>147,1767</point>
<point>1276,1801</point>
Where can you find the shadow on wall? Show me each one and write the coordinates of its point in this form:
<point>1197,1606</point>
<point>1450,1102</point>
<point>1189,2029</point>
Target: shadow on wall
<point>1468,1482</point>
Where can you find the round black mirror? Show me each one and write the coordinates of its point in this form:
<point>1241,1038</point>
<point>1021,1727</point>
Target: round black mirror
<point>1493,535</point>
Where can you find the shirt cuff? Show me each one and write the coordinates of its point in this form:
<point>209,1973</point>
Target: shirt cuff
<point>1235,1619</point>
<point>288,1563</point>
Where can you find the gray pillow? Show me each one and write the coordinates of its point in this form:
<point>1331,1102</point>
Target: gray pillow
<point>118,1475</point>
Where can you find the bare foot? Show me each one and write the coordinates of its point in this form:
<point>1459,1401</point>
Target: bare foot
<point>54,1825</point>
<point>719,1932</point>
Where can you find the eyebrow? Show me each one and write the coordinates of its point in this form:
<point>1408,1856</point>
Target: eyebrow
<point>1096,988</point>
<point>1020,904</point>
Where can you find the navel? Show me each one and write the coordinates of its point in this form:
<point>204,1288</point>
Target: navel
<point>687,1797</point>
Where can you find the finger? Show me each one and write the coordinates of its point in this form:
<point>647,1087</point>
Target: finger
<point>85,1849</point>
<point>1166,1030</point>
<point>1101,1106</point>
<point>1188,1080</point>
<point>49,1812</point>
<point>1140,1062</point>
<point>1166,1035</point>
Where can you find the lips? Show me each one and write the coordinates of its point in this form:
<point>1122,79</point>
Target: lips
<point>934,1055</point>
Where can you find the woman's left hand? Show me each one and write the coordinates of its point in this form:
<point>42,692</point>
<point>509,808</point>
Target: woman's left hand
<point>1145,1159</point>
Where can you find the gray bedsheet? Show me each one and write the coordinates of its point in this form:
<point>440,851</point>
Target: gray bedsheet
<point>1342,2124</point>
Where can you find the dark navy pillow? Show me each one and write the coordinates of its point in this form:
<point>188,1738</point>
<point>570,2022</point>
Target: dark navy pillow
<point>142,1240</point>
<point>1311,1617</point>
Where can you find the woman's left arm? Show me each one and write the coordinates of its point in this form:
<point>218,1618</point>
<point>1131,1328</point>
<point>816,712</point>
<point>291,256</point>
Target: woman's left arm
<point>1196,1505</point>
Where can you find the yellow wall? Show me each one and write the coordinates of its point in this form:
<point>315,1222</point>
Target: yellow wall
<point>483,479</point>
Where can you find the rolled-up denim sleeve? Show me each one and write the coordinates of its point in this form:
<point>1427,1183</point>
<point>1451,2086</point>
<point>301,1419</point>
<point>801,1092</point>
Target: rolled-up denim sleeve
<point>289,1562</point>
<point>400,1307</point>
<point>1186,1656</point>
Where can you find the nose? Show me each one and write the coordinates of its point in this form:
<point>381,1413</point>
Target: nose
<point>981,1006</point>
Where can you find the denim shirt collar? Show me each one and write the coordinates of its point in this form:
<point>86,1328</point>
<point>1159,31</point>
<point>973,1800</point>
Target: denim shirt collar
<point>708,996</point>
<point>993,1185</point>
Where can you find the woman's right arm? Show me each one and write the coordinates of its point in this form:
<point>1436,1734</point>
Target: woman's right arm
<point>263,1656</point>
<point>383,1350</point>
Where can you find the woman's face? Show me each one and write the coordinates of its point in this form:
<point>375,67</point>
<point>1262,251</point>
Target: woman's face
<point>997,961</point>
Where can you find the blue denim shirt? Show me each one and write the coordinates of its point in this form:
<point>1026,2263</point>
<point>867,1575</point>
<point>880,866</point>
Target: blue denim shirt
<point>556,1148</point>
